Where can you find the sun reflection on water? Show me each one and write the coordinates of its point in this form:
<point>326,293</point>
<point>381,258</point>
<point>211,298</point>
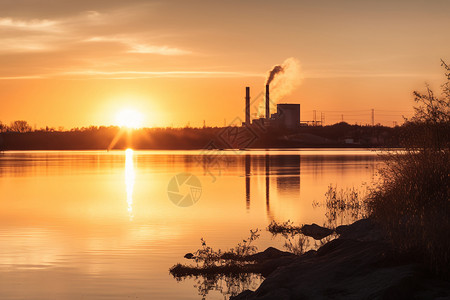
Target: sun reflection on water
<point>130,177</point>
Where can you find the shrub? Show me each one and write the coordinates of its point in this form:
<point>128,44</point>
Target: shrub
<point>412,199</point>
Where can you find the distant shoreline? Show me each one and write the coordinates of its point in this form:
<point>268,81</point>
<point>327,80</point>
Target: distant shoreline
<point>201,149</point>
<point>340,135</point>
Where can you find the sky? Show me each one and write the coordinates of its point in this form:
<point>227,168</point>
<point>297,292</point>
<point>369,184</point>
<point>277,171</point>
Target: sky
<point>79,63</point>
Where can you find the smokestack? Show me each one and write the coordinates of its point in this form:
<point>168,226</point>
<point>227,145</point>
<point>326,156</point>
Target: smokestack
<point>247,106</point>
<point>267,103</point>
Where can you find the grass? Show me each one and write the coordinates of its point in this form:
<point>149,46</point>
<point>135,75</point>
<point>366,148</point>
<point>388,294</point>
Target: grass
<point>210,261</point>
<point>229,272</point>
<point>286,228</point>
<point>412,205</point>
<point>411,201</point>
<point>345,206</point>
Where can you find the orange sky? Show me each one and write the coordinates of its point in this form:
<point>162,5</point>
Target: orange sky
<point>77,63</point>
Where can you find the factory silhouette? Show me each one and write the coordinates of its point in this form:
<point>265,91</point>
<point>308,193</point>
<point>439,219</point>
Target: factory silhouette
<point>287,116</point>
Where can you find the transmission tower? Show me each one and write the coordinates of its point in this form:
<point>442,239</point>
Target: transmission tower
<point>373,117</point>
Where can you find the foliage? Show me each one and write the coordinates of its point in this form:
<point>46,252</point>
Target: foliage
<point>411,200</point>
<point>295,242</point>
<point>20,126</point>
<point>228,272</point>
<point>298,245</point>
<point>344,205</point>
<point>286,228</point>
<point>3,127</point>
<point>245,248</point>
<point>208,258</point>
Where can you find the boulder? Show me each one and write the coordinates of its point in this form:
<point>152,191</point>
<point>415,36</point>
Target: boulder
<point>315,231</point>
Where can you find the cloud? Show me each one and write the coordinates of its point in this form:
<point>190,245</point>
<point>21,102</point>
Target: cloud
<point>96,74</point>
<point>21,77</point>
<point>136,47</point>
<point>163,50</point>
<point>329,74</point>
<point>33,24</point>
<point>87,39</point>
<point>78,29</point>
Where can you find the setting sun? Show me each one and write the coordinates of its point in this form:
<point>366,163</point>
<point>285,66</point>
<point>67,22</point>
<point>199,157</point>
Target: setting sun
<point>129,118</point>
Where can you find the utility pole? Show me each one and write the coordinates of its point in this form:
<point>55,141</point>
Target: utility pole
<point>342,118</point>
<point>373,117</point>
<point>314,118</point>
<point>322,118</point>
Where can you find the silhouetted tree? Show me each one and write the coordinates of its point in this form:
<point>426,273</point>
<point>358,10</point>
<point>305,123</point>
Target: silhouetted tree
<point>431,122</point>
<point>20,126</point>
<point>3,127</point>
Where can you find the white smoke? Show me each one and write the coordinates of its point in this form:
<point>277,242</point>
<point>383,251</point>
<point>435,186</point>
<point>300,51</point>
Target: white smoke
<point>286,80</point>
<point>283,80</point>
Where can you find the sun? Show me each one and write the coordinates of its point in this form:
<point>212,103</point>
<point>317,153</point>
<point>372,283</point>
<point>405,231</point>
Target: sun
<point>129,118</point>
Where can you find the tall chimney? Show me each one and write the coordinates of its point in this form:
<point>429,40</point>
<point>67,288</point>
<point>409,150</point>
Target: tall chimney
<point>267,103</point>
<point>247,106</point>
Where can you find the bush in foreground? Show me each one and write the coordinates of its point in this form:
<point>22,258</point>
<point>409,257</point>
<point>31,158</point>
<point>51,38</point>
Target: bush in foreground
<point>412,200</point>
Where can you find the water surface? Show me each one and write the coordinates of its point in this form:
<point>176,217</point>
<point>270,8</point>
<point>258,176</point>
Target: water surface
<point>95,224</point>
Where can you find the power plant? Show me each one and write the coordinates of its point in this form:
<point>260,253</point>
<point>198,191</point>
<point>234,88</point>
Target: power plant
<point>286,117</point>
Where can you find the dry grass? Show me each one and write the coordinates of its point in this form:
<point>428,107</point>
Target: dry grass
<point>412,204</point>
<point>412,199</point>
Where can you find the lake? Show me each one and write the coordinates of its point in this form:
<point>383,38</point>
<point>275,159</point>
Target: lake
<point>97,224</point>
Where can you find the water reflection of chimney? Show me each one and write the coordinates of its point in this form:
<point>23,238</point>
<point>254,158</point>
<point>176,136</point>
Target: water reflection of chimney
<point>267,184</point>
<point>248,166</point>
<point>288,176</point>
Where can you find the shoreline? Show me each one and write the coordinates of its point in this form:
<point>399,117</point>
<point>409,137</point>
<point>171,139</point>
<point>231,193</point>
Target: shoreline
<point>203,149</point>
<point>359,264</point>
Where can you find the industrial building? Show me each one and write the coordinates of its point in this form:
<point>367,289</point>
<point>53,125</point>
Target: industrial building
<point>286,117</point>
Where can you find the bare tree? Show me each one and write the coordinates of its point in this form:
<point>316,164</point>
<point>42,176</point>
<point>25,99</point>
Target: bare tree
<point>432,116</point>
<point>3,127</point>
<point>20,126</point>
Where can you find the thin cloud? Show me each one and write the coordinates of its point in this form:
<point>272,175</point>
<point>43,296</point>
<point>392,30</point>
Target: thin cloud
<point>33,25</point>
<point>137,47</point>
<point>358,74</point>
<point>21,77</point>
<point>94,74</point>
<point>153,74</point>
<point>163,50</point>
<point>25,44</point>
<point>40,34</point>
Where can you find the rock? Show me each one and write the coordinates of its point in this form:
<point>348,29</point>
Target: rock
<point>189,255</point>
<point>315,231</point>
<point>265,268</point>
<point>362,230</point>
<point>269,253</point>
<point>350,267</point>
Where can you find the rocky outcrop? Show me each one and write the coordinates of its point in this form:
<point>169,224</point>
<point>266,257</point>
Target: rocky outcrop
<point>360,264</point>
<point>315,231</point>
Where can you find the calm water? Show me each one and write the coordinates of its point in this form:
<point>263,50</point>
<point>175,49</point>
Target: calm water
<point>90,225</point>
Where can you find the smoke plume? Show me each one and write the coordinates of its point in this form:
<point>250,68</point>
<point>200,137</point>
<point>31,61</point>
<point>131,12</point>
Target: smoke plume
<point>284,79</point>
<point>275,71</point>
